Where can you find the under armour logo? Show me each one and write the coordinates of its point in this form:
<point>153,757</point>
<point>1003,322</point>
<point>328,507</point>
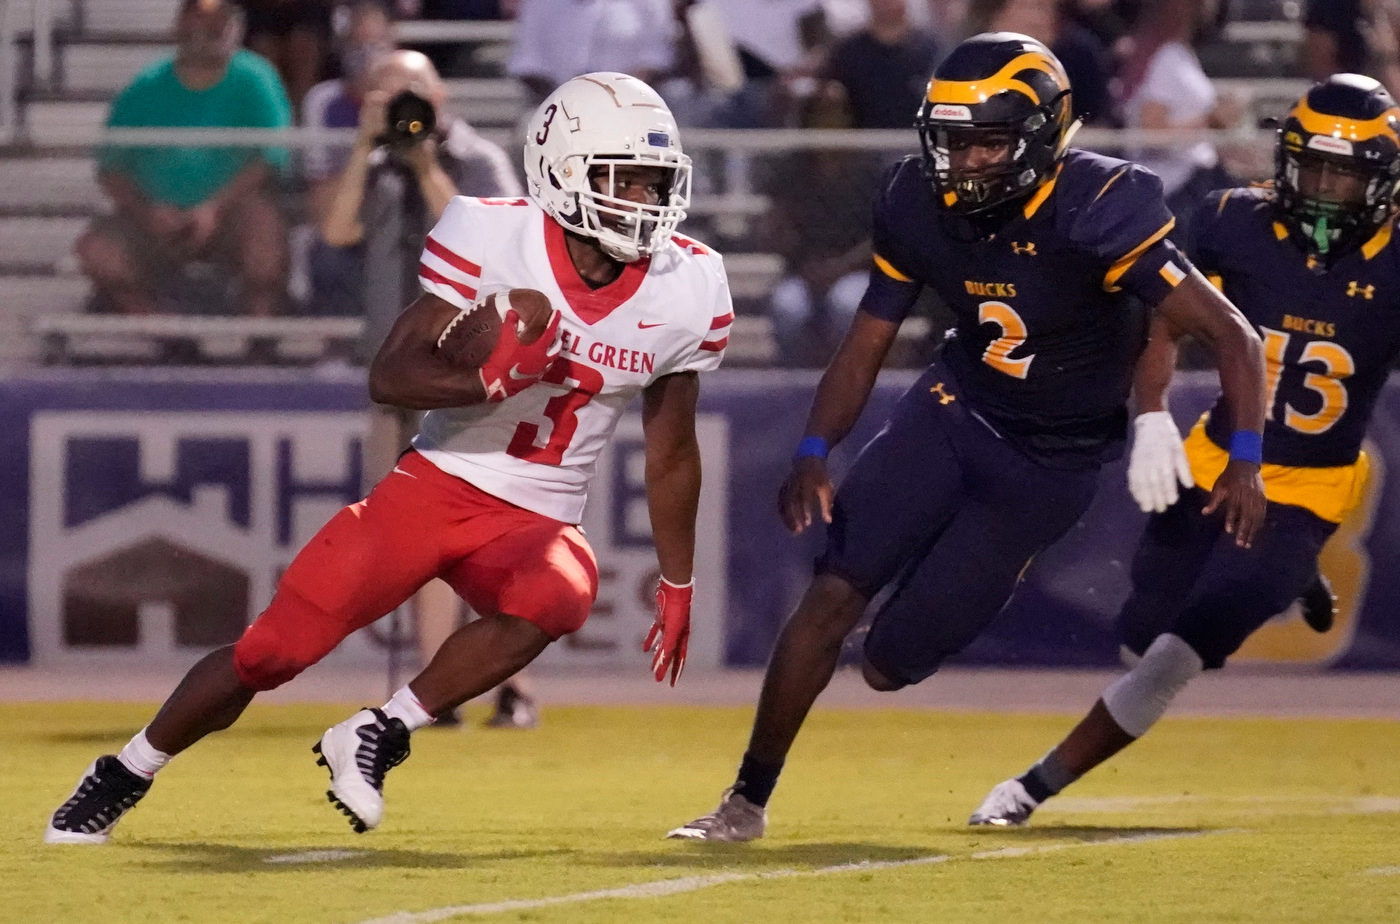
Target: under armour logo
<point>943,396</point>
<point>1027,248</point>
<point>1353,289</point>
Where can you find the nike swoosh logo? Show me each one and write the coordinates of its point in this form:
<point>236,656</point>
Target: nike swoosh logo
<point>645,326</point>
<point>519,378</point>
<point>402,472</point>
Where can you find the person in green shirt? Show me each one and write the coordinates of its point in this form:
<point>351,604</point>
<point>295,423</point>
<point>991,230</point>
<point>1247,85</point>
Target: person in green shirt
<point>177,204</point>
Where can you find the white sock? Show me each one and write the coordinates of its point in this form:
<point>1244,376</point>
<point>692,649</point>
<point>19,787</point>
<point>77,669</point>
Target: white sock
<point>405,707</point>
<point>141,758</point>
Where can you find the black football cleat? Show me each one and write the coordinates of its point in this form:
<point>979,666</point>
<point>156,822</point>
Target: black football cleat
<point>1319,604</point>
<point>104,794</point>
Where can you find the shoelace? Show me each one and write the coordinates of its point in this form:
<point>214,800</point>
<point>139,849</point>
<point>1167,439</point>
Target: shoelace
<point>385,746</point>
<point>93,788</point>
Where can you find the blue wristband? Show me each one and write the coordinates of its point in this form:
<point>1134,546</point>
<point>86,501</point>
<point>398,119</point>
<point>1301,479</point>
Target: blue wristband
<point>1247,446</point>
<point>813,446</point>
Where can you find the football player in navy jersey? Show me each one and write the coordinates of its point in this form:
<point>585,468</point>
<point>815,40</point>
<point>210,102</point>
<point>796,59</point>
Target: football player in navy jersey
<point>1312,265</point>
<point>1046,256</point>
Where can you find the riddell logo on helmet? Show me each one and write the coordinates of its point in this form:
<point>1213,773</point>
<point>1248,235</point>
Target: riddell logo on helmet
<point>945,111</point>
<point>1330,145</point>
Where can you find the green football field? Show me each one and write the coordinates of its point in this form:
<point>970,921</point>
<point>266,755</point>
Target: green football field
<point>1207,820</point>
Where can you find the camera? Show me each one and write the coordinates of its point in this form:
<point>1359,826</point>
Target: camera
<point>410,118</point>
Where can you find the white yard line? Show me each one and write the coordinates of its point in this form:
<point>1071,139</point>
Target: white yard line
<point>1282,804</point>
<point>315,856</point>
<point>664,887</point>
<point>1383,871</point>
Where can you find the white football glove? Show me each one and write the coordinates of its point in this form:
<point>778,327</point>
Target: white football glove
<point>1157,463</point>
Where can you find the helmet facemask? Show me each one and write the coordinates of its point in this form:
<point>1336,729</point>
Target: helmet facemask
<point>1333,203</point>
<point>1032,146</point>
<point>626,230</point>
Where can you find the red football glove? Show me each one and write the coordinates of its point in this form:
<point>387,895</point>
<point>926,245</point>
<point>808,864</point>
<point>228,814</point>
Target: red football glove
<point>670,633</point>
<point>514,366</point>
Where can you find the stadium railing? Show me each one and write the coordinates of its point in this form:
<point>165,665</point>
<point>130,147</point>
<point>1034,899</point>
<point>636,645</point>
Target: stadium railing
<point>743,177</point>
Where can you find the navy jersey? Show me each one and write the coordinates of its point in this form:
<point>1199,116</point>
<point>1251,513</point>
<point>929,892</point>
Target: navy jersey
<point>1331,334</point>
<point>1049,309</point>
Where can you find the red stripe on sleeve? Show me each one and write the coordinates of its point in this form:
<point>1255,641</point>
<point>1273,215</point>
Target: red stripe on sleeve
<point>724,321</point>
<point>432,275</point>
<point>451,259</point>
<point>714,346</point>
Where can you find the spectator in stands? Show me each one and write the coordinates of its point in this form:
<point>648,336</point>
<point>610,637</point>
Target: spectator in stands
<point>1085,58</point>
<point>294,36</point>
<point>879,73</point>
<point>381,187</point>
<point>174,205</point>
<point>782,46</point>
<point>555,42</point>
<point>1162,86</point>
<point>1353,36</point>
<point>366,39</point>
<point>375,210</point>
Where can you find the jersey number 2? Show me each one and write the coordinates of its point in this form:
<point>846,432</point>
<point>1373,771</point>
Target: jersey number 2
<point>1013,335</point>
<point>561,411</point>
<point>1337,364</point>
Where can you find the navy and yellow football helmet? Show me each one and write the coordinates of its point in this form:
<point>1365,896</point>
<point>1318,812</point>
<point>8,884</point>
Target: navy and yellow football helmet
<point>1337,164</point>
<point>997,90</point>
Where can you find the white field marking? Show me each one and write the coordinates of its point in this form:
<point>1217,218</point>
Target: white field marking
<point>1331,805</point>
<point>1383,871</point>
<point>695,883</point>
<point>314,856</point>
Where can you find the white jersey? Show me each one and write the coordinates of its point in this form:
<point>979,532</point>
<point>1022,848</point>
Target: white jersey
<point>539,448</point>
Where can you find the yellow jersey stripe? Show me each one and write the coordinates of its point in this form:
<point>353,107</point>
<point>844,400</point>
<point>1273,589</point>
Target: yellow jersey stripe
<point>1172,273</point>
<point>888,269</point>
<point>1043,192</point>
<point>1111,180</point>
<point>1378,240</point>
<point>1330,493</point>
<point>1125,263</point>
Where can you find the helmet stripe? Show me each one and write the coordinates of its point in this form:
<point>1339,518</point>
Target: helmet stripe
<point>971,92</point>
<point>1319,123</point>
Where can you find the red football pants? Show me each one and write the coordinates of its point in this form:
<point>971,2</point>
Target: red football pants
<point>417,524</point>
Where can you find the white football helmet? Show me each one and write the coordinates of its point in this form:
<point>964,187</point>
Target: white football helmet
<point>611,120</point>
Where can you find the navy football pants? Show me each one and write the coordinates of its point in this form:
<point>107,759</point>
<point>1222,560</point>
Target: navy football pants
<point>944,506</point>
<point>1190,579</point>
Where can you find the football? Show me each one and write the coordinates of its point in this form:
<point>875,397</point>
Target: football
<point>469,338</point>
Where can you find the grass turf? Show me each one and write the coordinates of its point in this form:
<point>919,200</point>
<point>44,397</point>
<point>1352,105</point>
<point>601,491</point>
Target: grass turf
<point>1263,820</point>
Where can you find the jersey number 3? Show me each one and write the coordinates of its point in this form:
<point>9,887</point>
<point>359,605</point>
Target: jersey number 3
<point>561,411</point>
<point>1013,335</point>
<point>1337,364</point>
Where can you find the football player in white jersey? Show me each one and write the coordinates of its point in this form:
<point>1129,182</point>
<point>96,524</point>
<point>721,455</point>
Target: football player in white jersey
<point>490,497</point>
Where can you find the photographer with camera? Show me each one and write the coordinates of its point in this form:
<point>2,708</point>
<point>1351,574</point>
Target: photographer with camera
<point>409,159</point>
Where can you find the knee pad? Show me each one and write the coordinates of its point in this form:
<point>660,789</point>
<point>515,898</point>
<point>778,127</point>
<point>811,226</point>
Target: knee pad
<point>291,635</point>
<point>1140,697</point>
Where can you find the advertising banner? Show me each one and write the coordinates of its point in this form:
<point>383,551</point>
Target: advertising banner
<point>145,517</point>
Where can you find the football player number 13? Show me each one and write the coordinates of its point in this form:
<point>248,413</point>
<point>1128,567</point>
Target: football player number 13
<point>1013,334</point>
<point>562,412</point>
<point>1337,364</point>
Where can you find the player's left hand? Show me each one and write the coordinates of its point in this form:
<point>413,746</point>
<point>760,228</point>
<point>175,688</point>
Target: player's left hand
<point>1157,463</point>
<point>1240,491</point>
<point>670,633</point>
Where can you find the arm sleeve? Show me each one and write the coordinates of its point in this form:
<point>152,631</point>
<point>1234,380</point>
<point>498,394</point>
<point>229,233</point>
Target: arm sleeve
<point>893,287</point>
<point>710,352</point>
<point>446,268</point>
<point>1125,226</point>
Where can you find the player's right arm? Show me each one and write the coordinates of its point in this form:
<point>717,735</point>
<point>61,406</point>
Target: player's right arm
<point>409,372</point>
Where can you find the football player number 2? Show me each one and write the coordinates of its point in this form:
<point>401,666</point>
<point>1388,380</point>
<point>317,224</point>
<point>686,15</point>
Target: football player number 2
<point>1013,335</point>
<point>1337,364</point>
<point>561,411</point>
